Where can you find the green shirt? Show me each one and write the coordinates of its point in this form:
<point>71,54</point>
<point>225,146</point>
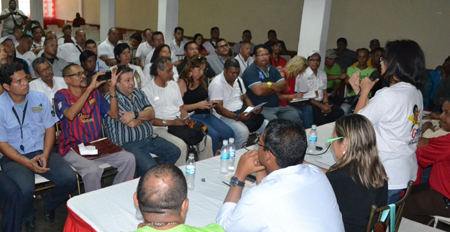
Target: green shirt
<point>185,228</point>
<point>363,73</point>
<point>334,71</point>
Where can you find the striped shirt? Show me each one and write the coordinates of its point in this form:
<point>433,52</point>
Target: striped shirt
<point>120,133</point>
<point>84,128</point>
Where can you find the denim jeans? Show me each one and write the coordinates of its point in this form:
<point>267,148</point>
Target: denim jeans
<point>165,150</point>
<point>306,114</point>
<point>11,204</point>
<point>282,112</point>
<point>216,128</point>
<point>394,195</point>
<point>61,174</point>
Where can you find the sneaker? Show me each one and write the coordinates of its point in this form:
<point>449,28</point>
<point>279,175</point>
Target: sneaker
<point>49,216</point>
<point>30,226</point>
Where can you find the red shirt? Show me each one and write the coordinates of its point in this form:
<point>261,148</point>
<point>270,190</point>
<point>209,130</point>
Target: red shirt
<point>290,86</point>
<point>437,153</point>
<point>278,64</point>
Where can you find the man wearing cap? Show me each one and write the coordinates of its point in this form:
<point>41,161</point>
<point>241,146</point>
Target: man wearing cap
<point>71,52</point>
<point>8,42</point>
<point>11,17</point>
<point>106,48</point>
<point>314,81</point>
<point>334,76</point>
<point>67,37</point>
<point>23,50</point>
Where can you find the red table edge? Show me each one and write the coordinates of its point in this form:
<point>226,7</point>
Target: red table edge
<point>75,224</point>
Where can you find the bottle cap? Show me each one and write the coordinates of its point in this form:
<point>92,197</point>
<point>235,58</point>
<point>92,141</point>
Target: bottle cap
<point>191,155</point>
<point>231,140</point>
<point>313,127</point>
<point>225,142</point>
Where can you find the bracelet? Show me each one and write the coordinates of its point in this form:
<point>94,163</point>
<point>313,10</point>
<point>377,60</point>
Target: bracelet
<point>111,96</point>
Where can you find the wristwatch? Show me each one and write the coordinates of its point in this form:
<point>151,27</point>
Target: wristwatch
<point>164,123</point>
<point>234,181</point>
<point>136,114</point>
<point>269,84</point>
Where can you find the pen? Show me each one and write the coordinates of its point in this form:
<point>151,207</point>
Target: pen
<point>98,140</point>
<point>226,183</point>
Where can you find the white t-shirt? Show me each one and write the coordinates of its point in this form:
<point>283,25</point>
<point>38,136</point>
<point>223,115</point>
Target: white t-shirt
<point>177,51</point>
<point>148,77</point>
<point>209,47</point>
<point>70,52</point>
<point>308,82</point>
<point>105,48</point>
<point>144,49</point>
<point>219,89</point>
<point>39,85</point>
<point>165,101</point>
<point>36,45</point>
<point>29,56</point>
<point>243,64</point>
<point>61,40</point>
<point>391,112</point>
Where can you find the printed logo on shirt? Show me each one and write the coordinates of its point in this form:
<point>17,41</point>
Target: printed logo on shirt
<point>85,118</point>
<point>36,109</point>
<point>92,101</point>
<point>59,105</point>
<point>261,75</point>
<point>416,131</point>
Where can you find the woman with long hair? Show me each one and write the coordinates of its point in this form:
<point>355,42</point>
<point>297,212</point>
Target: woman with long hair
<point>358,177</point>
<point>161,51</point>
<point>296,66</point>
<point>198,39</point>
<point>392,113</point>
<point>123,57</point>
<point>195,96</point>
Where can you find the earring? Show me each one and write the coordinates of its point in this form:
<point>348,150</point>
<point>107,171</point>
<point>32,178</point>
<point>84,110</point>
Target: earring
<point>343,153</point>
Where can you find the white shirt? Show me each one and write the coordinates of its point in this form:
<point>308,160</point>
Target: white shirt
<point>41,86</point>
<point>209,47</point>
<point>8,23</point>
<point>148,76</point>
<point>177,51</point>
<point>105,48</point>
<point>144,49</point>
<point>61,40</point>
<point>220,90</point>
<point>295,198</point>
<point>148,58</point>
<point>243,64</point>
<point>392,116</point>
<point>29,56</point>
<point>70,52</point>
<point>36,45</point>
<point>308,82</point>
<point>135,69</point>
<point>166,101</point>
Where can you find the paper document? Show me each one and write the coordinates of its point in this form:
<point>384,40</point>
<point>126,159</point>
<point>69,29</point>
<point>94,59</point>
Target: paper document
<point>250,109</point>
<point>189,115</point>
<point>87,150</point>
<point>306,97</point>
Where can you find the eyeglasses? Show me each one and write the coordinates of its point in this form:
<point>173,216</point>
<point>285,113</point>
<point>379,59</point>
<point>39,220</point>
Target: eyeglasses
<point>333,139</point>
<point>78,74</point>
<point>261,55</point>
<point>314,60</point>
<point>223,46</point>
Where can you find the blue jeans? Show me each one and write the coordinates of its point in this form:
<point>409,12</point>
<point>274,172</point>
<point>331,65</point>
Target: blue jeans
<point>11,204</point>
<point>165,150</point>
<point>306,114</point>
<point>282,112</point>
<point>394,195</point>
<point>216,128</point>
<point>61,174</point>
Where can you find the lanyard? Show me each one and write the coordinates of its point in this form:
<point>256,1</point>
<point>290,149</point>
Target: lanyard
<point>221,61</point>
<point>21,124</point>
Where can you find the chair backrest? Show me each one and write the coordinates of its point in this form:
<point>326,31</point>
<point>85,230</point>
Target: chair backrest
<point>399,212</point>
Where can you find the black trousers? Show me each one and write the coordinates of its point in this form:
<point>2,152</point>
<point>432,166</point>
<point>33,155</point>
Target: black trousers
<point>320,118</point>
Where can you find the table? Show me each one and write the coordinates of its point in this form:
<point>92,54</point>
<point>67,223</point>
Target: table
<point>328,158</point>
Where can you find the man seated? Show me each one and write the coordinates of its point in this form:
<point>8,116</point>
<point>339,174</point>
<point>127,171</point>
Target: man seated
<point>165,96</point>
<point>228,90</point>
<point>46,83</point>
<point>346,57</point>
<point>38,40</point>
<point>27,126</point>
<point>23,50</point>
<point>71,51</point>
<point>335,86</point>
<point>290,196</point>
<point>244,56</point>
<point>190,50</point>
<point>78,21</point>
<point>17,33</point>
<point>275,59</point>
<point>272,36</point>
<point>442,92</point>
<point>132,130</point>
<point>158,40</point>
<point>8,42</point>
<point>262,83</point>
<point>162,199</point>
<point>147,46</point>
<point>177,45</point>
<point>432,198</point>
<point>217,60</point>
<point>246,38</point>
<point>211,44</point>
<point>100,65</point>
<point>373,45</point>
<point>67,36</point>
<point>314,81</point>
<point>134,42</point>
<point>58,63</point>
<point>80,109</point>
<point>106,48</point>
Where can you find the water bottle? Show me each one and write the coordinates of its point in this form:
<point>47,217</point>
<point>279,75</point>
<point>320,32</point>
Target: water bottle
<point>312,140</point>
<point>232,151</point>
<point>190,172</point>
<point>224,157</point>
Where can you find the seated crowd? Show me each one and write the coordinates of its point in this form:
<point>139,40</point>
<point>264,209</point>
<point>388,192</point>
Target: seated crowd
<point>137,94</point>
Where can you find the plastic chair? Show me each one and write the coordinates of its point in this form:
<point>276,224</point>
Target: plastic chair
<point>436,219</point>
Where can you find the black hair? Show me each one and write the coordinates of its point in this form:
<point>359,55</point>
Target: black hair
<point>378,49</point>
<point>89,41</point>
<point>220,40</point>
<point>255,49</point>
<point>17,27</point>
<point>246,31</point>
<point>362,49</point>
<point>287,142</point>
<point>8,70</point>
<point>85,55</point>
<point>118,49</point>
<point>159,63</point>
<point>231,63</point>
<point>157,51</point>
<point>137,37</point>
<point>34,28</point>
<point>124,69</point>
<point>277,42</point>
<point>155,33</point>
<point>271,31</point>
<point>154,198</point>
<point>342,39</point>
<point>46,41</point>
<point>25,35</point>
<point>214,28</point>
<point>186,45</point>
<point>405,61</point>
<point>67,69</point>
<point>178,28</point>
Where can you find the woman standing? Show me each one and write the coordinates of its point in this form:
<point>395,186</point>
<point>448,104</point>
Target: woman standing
<point>195,96</point>
<point>391,111</point>
<point>358,177</point>
<point>123,57</point>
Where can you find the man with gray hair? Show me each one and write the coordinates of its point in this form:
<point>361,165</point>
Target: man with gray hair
<point>46,83</point>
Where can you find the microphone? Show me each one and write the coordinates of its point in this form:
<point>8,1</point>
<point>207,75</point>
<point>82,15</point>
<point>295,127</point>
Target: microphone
<point>373,76</point>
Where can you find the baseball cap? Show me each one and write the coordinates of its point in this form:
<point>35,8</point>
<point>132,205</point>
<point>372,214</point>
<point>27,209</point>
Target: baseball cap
<point>331,53</point>
<point>313,52</point>
<point>3,39</point>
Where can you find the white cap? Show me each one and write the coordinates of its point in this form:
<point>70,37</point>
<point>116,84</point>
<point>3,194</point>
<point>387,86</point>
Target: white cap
<point>313,52</point>
<point>191,155</point>
<point>8,37</point>
<point>225,142</point>
<point>231,140</point>
<point>313,127</point>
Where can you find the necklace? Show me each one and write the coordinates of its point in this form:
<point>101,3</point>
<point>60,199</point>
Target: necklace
<point>160,224</point>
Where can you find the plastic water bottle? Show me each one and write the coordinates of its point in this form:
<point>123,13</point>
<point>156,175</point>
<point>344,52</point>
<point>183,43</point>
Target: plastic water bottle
<point>312,140</point>
<point>232,151</point>
<point>190,172</point>
<point>224,157</point>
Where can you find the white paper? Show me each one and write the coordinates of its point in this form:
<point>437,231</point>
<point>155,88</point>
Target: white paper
<point>87,150</point>
<point>251,108</point>
<point>306,97</point>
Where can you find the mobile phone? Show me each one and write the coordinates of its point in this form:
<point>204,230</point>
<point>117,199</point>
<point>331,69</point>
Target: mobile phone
<point>319,148</point>
<point>106,76</point>
<point>215,103</point>
<point>40,163</point>
<point>251,178</point>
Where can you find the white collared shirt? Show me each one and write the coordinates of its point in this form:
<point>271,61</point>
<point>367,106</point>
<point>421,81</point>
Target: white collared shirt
<point>308,82</point>
<point>41,86</point>
<point>144,49</point>
<point>70,52</point>
<point>105,48</point>
<point>219,89</point>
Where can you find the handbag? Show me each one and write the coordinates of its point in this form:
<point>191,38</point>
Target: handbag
<point>191,134</point>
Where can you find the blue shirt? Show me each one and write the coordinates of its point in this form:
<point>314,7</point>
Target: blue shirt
<point>253,75</point>
<point>39,115</point>
<point>100,66</point>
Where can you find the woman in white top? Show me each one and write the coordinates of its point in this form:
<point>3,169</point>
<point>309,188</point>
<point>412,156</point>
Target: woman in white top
<point>396,111</point>
<point>123,57</point>
<point>161,51</point>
